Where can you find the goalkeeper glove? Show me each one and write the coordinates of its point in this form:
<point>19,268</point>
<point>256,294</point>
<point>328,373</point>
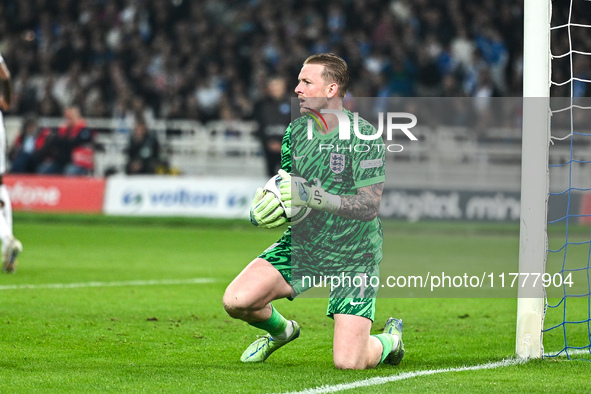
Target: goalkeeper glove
<point>285,190</point>
<point>306,195</point>
<point>266,211</point>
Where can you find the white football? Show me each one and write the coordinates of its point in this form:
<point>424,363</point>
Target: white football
<point>294,215</point>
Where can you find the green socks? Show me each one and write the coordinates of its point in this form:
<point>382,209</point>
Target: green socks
<point>387,343</point>
<point>275,326</point>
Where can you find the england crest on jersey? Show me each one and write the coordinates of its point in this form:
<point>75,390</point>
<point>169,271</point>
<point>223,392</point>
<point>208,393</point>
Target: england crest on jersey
<point>337,162</point>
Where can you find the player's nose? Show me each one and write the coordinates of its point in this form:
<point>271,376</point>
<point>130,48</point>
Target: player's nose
<point>298,89</point>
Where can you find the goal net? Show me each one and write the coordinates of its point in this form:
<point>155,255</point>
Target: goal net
<point>557,76</point>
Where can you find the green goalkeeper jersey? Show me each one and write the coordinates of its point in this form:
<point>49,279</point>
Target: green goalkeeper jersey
<point>340,167</point>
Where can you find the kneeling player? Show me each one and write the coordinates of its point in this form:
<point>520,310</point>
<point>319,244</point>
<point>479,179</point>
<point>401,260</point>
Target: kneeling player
<point>342,234</point>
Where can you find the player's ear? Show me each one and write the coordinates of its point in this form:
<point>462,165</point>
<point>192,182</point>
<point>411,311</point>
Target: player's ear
<point>332,90</point>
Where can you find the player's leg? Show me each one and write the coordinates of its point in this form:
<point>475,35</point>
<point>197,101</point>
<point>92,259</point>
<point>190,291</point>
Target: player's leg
<point>11,247</point>
<point>249,295</point>
<point>249,298</point>
<point>353,347</point>
<point>265,279</point>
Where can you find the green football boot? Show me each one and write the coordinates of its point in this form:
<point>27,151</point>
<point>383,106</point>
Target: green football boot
<point>262,348</point>
<point>394,327</point>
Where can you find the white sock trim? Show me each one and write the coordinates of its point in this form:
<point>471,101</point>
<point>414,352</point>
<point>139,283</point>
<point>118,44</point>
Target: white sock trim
<point>285,334</point>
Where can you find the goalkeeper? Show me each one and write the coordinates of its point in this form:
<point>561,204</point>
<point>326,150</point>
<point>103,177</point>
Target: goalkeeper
<point>342,235</point>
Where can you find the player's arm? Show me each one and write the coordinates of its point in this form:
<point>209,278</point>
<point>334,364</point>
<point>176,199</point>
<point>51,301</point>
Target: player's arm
<point>364,205</point>
<point>286,150</point>
<point>5,85</point>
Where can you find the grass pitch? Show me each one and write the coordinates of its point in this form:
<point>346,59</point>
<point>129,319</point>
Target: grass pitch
<point>104,304</point>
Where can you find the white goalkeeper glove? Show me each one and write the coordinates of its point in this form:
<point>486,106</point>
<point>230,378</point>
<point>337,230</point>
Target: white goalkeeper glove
<point>266,211</point>
<point>306,195</point>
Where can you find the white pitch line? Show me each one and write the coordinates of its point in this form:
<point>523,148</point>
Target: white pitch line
<point>152,282</point>
<point>405,375</point>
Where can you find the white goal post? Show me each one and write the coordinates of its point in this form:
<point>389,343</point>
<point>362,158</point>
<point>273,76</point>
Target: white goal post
<point>534,173</point>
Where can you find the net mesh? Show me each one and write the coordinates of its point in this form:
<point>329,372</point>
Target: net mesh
<point>567,322</point>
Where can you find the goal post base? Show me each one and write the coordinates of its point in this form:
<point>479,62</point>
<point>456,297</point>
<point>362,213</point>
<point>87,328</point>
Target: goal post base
<point>529,328</point>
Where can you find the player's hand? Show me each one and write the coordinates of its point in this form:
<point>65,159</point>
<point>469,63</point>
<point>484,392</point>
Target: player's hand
<point>314,196</point>
<point>266,211</point>
<point>286,184</point>
<point>306,195</point>
<point>285,189</point>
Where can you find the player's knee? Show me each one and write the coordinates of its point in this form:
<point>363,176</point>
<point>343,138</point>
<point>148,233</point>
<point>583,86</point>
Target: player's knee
<point>343,363</point>
<point>347,361</point>
<point>231,310</point>
<point>236,305</point>
<point>230,305</point>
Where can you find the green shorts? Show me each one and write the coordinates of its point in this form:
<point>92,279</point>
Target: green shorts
<point>349,296</point>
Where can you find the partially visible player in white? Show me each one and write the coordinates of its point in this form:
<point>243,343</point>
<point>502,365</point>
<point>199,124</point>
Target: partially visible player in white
<point>11,246</point>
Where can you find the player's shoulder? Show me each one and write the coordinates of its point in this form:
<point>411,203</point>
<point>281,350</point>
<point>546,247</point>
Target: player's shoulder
<point>295,126</point>
<point>302,121</point>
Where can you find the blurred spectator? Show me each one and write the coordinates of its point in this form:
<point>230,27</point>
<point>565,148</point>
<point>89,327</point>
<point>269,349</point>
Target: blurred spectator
<point>428,74</point>
<point>48,105</point>
<point>495,54</point>
<point>273,114</point>
<point>120,119</point>
<point>68,150</point>
<point>143,151</point>
<point>450,87</point>
<point>462,49</point>
<point>128,111</point>
<point>24,153</point>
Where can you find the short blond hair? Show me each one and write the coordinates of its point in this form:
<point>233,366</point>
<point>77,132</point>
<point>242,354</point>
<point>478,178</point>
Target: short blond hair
<point>335,70</point>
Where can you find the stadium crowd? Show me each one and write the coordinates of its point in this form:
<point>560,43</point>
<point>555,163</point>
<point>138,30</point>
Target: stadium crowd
<point>210,59</point>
